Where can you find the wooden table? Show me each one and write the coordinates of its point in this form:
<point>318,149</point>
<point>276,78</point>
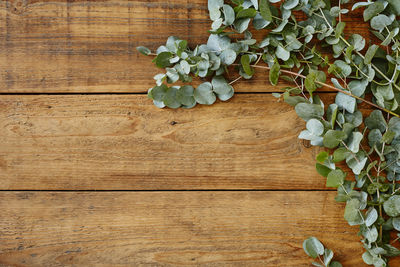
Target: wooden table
<point>92,174</point>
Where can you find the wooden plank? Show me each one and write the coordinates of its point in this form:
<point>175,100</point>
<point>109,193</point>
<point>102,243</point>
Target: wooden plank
<point>89,46</point>
<point>124,142</point>
<point>171,228</point>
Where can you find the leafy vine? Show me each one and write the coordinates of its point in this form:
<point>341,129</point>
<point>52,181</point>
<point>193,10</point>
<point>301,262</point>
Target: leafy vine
<point>361,74</point>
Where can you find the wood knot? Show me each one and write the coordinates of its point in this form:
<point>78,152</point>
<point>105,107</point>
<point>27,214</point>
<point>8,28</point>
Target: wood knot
<point>306,143</point>
<point>17,7</point>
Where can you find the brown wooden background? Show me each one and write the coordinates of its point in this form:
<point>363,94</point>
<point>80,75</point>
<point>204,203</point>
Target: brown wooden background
<point>92,174</point>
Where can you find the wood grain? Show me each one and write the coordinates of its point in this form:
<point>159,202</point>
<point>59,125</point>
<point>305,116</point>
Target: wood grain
<point>89,46</point>
<point>104,142</point>
<point>171,229</point>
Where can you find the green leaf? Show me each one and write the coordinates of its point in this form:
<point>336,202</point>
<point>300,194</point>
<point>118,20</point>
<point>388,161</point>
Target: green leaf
<point>352,212</point>
<point>335,264</point>
<point>371,216</point>
<point>392,206</point>
<point>313,247</point>
<point>185,95</point>
<point>396,223</point>
<point>335,178</point>
<point>265,10</point>
<point>373,10</point>
<point>357,41</point>
<point>308,111</point>
<point>143,50</point>
<point>220,86</point>
<point>274,73</point>
<point>322,156</point>
<point>345,69</point>
<point>241,24</point>
<point>290,4</point>
<point>229,15</point>
<point>162,59</point>
<point>346,102</point>
<point>354,143</point>
<point>328,256</point>
<point>396,6</point>
<point>340,154</point>
<point>357,87</point>
<point>204,94</point>
<point>322,169</point>
<point>246,13</point>
<point>380,22</point>
<point>369,55</point>
<point>282,53</point>
<point>292,42</point>
<point>332,138</point>
<point>157,93</point>
<point>169,98</point>
<point>310,82</point>
<point>228,56</point>
<point>315,127</point>
<point>371,234</point>
<point>245,60</point>
<point>339,29</point>
<point>394,126</point>
<point>376,121</point>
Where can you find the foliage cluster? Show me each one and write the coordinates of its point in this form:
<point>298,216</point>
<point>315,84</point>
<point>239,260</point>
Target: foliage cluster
<point>291,50</point>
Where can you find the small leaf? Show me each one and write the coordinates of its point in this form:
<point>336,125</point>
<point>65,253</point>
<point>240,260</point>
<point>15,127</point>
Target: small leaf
<point>322,169</point>
<point>290,4</point>
<point>308,111</point>
<point>229,15</point>
<point>204,94</point>
<point>322,156</point>
<point>185,96</point>
<point>371,216</point>
<point>246,13</point>
<point>392,206</point>
<point>310,82</point>
<point>282,53</point>
<point>313,247</point>
<point>376,121</point>
<point>339,29</point>
<point>354,143</point>
<point>352,212</point>
<point>228,56</point>
<point>245,60</point>
<point>332,138</point>
<point>162,59</point>
<point>274,73</point>
<point>335,178</point>
<point>169,98</point>
<point>380,22</point>
<point>373,10</point>
<point>346,102</point>
<point>265,10</point>
<point>357,41</point>
<point>143,50</point>
<point>396,223</point>
<point>220,86</point>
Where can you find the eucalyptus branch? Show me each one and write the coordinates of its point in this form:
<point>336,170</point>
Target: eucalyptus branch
<point>330,87</point>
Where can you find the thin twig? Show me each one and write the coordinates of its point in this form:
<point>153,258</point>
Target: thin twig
<point>331,87</point>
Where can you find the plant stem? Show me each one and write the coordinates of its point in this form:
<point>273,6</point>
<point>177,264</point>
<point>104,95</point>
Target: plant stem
<point>330,87</point>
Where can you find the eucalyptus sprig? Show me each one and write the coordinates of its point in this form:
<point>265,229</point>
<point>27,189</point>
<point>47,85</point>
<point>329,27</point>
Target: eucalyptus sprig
<point>316,250</point>
<point>291,51</point>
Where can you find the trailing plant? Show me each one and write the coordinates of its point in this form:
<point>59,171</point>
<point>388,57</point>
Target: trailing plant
<point>301,52</point>
<point>314,248</point>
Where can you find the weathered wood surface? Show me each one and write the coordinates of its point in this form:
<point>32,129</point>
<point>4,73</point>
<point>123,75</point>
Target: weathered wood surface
<point>103,142</point>
<point>89,46</point>
<point>171,228</point>
<point>122,142</point>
